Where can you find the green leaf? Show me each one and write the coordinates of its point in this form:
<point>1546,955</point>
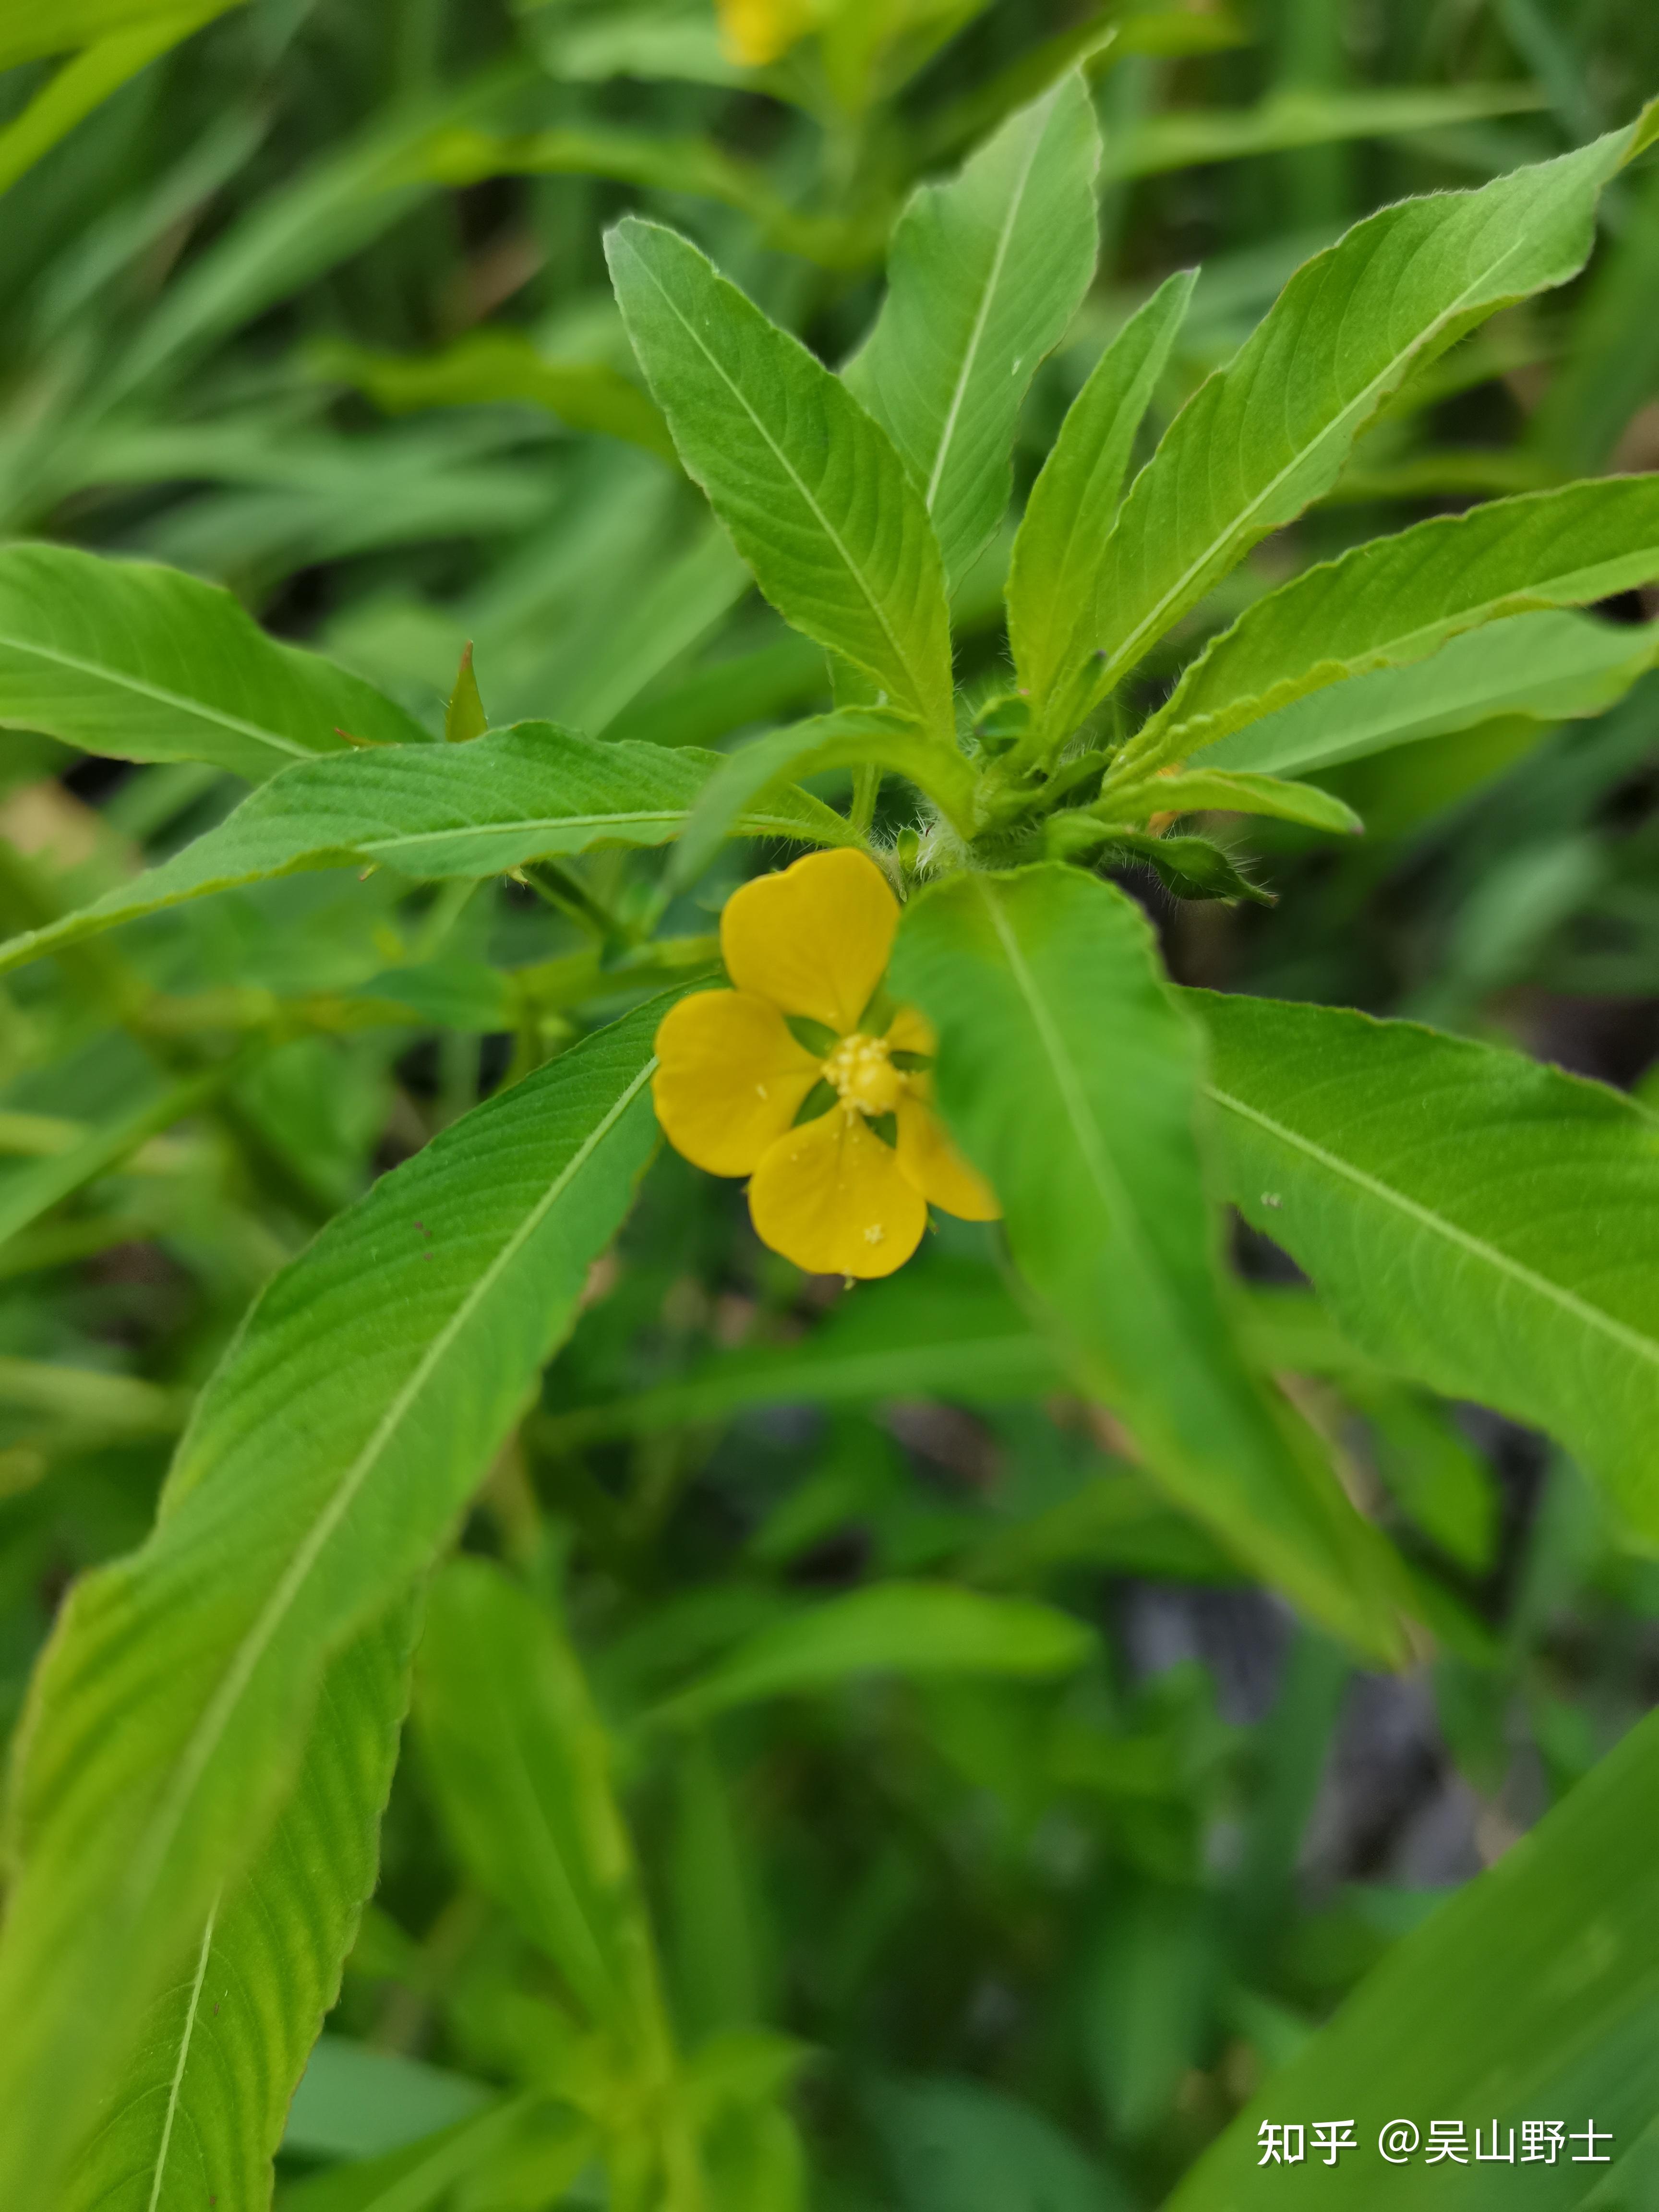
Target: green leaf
<point>464,718</point>
<point>701,167</point>
<point>333,209</point>
<point>355,2101</point>
<point>769,765</point>
<point>1190,867</point>
<point>956,2146</point>
<point>35,1189</point>
<point>494,365</point>
<point>144,663</point>
<point>377,1376</point>
<point>1204,789</point>
<point>1397,600</point>
<point>1547,667</point>
<point>28,36</point>
<point>415,2177</point>
<point>1270,433</point>
<point>87,81</point>
<point>817,501</point>
<point>199,2111</point>
<point>435,811</point>
<point>1071,1080</point>
<point>1474,1220</point>
<point>984,276</point>
<point>906,1628</point>
<point>934,1330</point>
<point>1305,116</point>
<point>1054,586</point>
<point>521,1768</point>
<point>1612,362</point>
<point>1531,1993</point>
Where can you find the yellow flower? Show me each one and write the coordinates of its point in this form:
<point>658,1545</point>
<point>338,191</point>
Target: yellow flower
<point>828,1193</point>
<point>757,31</point>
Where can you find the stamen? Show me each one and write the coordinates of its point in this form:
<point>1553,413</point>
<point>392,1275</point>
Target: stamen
<point>861,1069</point>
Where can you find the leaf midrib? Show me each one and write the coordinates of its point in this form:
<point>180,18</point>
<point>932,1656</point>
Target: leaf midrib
<point>37,944</point>
<point>146,1859</point>
<point>1108,1185</point>
<point>121,679</point>
<point>1400,649</point>
<point>1477,1248</point>
<point>919,691</point>
<point>982,318</point>
<point>175,2088</point>
<point>1146,630</point>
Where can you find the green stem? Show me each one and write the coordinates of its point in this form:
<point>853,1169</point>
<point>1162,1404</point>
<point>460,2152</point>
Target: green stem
<point>565,891</point>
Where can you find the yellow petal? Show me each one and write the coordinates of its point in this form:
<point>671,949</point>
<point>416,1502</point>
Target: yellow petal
<point>929,1159</point>
<point>813,938</point>
<point>830,1196</point>
<point>756,32</point>
<point>909,1031</point>
<point>730,1078</point>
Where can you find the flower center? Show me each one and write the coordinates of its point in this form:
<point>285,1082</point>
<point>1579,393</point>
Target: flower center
<point>864,1075</point>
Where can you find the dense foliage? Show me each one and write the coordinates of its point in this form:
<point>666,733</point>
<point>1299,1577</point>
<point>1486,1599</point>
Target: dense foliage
<point>1158,505</point>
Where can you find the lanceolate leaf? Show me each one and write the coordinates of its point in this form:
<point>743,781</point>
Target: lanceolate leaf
<point>198,2116</point>
<point>69,23</point>
<point>82,84</point>
<point>1473,1219</point>
<point>329,1456</point>
<point>932,1330</point>
<point>1532,1995</point>
<point>465,810</point>
<point>1271,432</point>
<point>909,1628</point>
<point>144,663</point>
<point>422,2173</point>
<point>522,1771</point>
<point>1398,598</point>
<point>496,364</point>
<point>1071,1079</point>
<point>810,488</point>
<point>1547,667</point>
<point>1053,586</point>
<point>984,275</point>
<point>1200,788</point>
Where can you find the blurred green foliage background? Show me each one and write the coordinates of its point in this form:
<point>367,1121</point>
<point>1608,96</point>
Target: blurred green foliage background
<point>314,305</point>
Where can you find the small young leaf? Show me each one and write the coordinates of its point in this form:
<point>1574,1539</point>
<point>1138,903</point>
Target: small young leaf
<point>1547,667</point>
<point>464,717</point>
<point>143,663</point>
<point>1204,789</point>
<point>1398,598</point>
<point>517,795</point>
<point>815,497</point>
<point>1476,1220</point>
<point>1054,586</point>
<point>1071,1080</point>
<point>851,737</point>
<point>1271,432</point>
<point>1189,867</point>
<point>984,277</point>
